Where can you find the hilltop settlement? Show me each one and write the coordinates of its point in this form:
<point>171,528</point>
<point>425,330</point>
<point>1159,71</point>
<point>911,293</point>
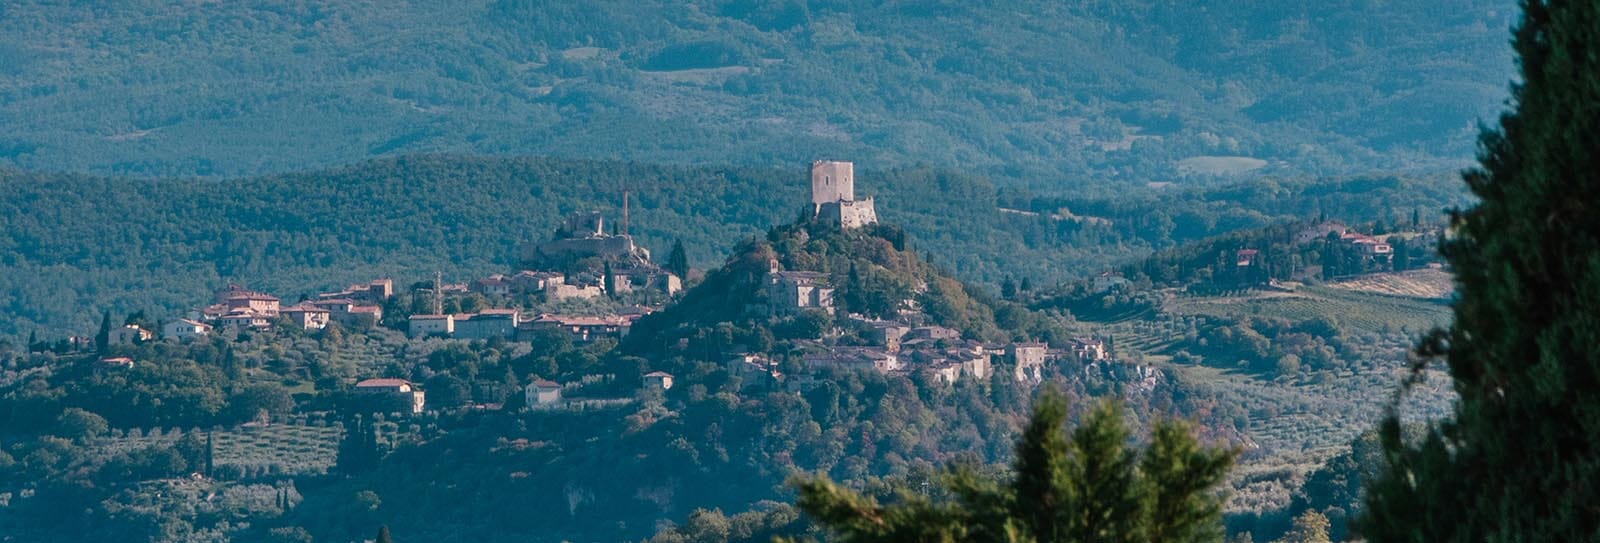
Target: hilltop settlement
<point>584,262</point>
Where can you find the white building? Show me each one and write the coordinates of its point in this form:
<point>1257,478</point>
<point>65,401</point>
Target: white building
<point>542,394</point>
<point>432,325</point>
<point>184,330</point>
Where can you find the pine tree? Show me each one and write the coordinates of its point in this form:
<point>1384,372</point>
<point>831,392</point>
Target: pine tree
<point>678,260</point>
<point>383,535</point>
<point>1085,486</point>
<point>1520,461</point>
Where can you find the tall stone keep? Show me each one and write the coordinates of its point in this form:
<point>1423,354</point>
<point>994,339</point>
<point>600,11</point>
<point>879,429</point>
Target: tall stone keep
<point>832,181</point>
<point>833,195</point>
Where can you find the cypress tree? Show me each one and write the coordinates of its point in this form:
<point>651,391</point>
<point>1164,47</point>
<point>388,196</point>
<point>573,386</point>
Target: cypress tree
<point>1520,461</point>
<point>609,281</point>
<point>102,339</point>
<point>678,260</point>
<point>383,535</point>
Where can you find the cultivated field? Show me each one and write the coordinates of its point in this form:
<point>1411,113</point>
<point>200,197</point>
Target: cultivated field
<point>1429,284</point>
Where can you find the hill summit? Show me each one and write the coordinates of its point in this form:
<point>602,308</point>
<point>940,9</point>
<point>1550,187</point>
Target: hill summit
<point>833,281</point>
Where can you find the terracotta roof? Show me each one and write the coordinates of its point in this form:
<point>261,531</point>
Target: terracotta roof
<point>253,296</point>
<point>430,317</point>
<point>383,383</point>
<point>545,384</point>
<point>658,374</point>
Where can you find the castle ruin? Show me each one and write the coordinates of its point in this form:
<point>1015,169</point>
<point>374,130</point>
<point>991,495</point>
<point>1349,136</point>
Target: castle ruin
<point>833,196</point>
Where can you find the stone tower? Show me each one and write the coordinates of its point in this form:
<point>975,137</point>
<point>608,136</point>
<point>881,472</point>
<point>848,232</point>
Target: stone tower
<point>833,195</point>
<point>832,181</point>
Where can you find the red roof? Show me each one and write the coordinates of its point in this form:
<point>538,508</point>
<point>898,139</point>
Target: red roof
<point>253,296</point>
<point>546,384</point>
<point>383,383</point>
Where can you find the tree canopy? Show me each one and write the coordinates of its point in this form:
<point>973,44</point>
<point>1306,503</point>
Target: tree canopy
<point>1520,461</point>
<point>1084,486</point>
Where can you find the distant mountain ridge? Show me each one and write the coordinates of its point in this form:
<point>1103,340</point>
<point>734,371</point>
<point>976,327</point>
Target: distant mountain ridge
<point>1033,91</point>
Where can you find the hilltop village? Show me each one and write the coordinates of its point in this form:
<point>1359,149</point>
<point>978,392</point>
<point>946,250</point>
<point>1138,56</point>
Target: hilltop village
<point>583,261</point>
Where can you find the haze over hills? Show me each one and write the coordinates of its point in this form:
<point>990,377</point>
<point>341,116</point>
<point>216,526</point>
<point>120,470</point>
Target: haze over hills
<point>72,246</point>
<point>1044,93</point>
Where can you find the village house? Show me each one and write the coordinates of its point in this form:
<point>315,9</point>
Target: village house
<point>542,394</point>
<point>1088,349</point>
<point>395,387</point>
<point>244,317</point>
<point>265,305</point>
<point>1245,258</point>
<point>528,281</point>
<point>1106,281</point>
<point>853,358</point>
<point>658,380</point>
<point>582,329</point>
<point>350,313</point>
<point>431,325</point>
<point>887,334</point>
<point>946,372</point>
<point>184,330</point>
<point>1027,361</point>
<point>489,323</point>
<point>754,371</point>
<point>128,334</point>
<point>1368,246</point>
<point>492,286</point>
<point>557,289</point>
<point>790,292</point>
<point>306,316</point>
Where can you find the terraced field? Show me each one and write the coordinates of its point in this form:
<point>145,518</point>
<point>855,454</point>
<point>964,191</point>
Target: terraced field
<point>1360,310</point>
<point>1428,284</point>
<point>286,449</point>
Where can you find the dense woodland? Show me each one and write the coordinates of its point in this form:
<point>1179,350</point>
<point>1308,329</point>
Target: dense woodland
<point>1028,191</point>
<point>72,247</point>
<point>1051,94</point>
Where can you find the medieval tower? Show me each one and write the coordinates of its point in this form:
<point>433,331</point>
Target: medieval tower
<point>833,195</point>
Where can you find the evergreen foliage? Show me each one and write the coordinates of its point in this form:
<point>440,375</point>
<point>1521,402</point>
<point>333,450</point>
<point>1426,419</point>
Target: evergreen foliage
<point>1520,461</point>
<point>1084,486</point>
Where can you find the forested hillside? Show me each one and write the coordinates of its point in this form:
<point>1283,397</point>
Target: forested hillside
<point>1047,93</point>
<point>73,246</point>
